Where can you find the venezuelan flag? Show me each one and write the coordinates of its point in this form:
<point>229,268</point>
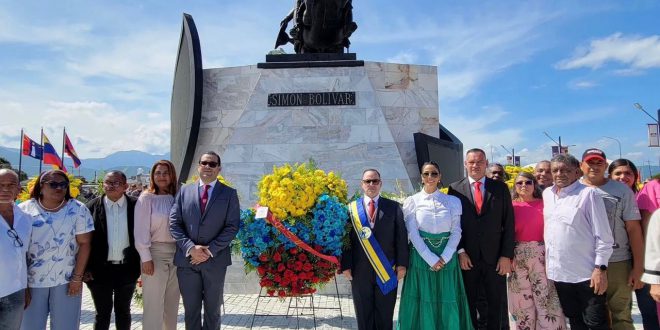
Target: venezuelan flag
<point>68,149</point>
<point>50,155</point>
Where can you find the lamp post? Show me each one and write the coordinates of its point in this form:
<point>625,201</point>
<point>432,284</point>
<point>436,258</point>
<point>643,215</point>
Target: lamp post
<point>655,119</point>
<point>512,152</point>
<point>617,141</point>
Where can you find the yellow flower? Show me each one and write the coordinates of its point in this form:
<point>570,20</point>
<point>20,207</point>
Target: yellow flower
<point>291,191</point>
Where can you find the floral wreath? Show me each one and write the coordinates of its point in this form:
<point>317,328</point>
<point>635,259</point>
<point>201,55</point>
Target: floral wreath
<point>295,248</point>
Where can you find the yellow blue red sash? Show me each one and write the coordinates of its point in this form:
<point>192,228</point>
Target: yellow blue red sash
<point>385,276</point>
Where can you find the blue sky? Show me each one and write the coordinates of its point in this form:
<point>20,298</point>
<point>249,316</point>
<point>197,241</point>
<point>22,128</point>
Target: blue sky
<point>508,70</point>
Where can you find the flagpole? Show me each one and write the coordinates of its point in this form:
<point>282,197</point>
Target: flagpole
<point>63,138</point>
<point>41,161</point>
<point>20,156</point>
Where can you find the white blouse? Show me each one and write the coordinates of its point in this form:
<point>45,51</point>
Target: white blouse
<point>433,213</point>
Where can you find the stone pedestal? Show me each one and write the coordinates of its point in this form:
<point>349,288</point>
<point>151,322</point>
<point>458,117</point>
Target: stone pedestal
<point>393,101</point>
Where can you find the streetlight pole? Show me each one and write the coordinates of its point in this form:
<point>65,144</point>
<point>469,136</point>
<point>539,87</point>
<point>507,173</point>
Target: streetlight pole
<point>513,154</point>
<point>617,141</point>
<point>655,119</point>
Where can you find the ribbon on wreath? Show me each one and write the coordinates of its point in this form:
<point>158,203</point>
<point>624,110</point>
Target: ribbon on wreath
<point>270,218</point>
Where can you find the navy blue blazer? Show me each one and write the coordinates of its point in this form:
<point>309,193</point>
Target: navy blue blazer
<point>216,228</point>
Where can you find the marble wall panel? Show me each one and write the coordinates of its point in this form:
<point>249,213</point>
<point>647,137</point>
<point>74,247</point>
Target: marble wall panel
<point>310,116</point>
<point>363,133</point>
<point>420,99</point>
<point>401,115</point>
<point>237,153</point>
<point>389,98</point>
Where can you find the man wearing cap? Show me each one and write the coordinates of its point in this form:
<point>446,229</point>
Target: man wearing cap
<point>578,245</point>
<point>626,265</point>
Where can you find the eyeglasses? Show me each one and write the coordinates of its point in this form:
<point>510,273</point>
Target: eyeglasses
<point>114,184</point>
<point>14,235</point>
<point>432,174</point>
<point>57,185</point>
<point>371,181</point>
<point>524,183</point>
<point>209,164</point>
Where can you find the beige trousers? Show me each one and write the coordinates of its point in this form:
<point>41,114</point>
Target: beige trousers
<point>161,291</point>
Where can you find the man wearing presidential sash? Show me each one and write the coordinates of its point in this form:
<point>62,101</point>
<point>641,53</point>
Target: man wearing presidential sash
<point>377,256</point>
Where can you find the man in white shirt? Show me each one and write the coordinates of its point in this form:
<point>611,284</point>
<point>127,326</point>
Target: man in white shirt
<point>578,245</point>
<point>13,248</point>
<point>114,263</point>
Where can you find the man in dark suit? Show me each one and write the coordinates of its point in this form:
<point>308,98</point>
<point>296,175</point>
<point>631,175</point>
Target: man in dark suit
<point>374,309</point>
<point>487,242</point>
<point>203,221</point>
<point>114,263</point>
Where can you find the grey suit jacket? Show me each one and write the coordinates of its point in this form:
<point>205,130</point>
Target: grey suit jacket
<point>216,228</point>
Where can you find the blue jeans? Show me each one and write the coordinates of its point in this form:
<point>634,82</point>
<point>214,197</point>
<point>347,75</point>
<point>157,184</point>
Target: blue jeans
<point>64,310</point>
<point>11,310</point>
<point>647,307</point>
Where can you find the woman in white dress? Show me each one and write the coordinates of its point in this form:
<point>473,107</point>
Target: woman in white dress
<point>433,295</point>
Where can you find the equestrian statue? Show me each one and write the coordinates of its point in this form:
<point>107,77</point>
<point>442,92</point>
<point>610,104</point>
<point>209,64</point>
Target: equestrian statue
<point>320,26</point>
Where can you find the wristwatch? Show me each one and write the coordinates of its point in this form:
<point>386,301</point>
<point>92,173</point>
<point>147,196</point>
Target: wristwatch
<point>601,267</point>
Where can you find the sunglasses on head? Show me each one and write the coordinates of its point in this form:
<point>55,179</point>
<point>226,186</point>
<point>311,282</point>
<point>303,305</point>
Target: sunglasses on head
<point>431,174</point>
<point>524,183</point>
<point>209,164</point>
<point>57,185</point>
<point>371,181</point>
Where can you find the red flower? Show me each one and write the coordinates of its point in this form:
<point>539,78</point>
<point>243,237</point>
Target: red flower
<point>263,257</point>
<point>270,292</point>
<point>277,257</point>
<point>287,274</point>
<point>261,270</point>
<point>281,293</point>
<point>298,266</point>
<point>307,267</point>
<point>315,279</point>
<point>302,257</point>
<point>293,250</point>
<point>281,267</point>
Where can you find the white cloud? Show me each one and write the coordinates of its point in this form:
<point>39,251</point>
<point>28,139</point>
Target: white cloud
<point>636,52</point>
<point>582,84</point>
<point>98,128</point>
<point>34,32</point>
<point>403,57</point>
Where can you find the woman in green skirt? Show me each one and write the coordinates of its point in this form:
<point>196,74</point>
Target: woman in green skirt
<point>433,295</point>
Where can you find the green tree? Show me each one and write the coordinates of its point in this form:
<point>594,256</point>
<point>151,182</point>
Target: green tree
<point>4,163</point>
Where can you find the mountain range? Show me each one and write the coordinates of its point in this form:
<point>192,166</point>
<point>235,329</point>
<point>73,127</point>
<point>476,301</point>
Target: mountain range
<point>130,162</point>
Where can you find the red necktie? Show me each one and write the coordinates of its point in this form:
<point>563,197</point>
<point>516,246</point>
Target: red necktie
<point>205,197</point>
<point>372,211</point>
<point>478,198</point>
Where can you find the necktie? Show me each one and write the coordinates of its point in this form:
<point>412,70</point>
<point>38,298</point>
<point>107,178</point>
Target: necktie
<point>205,197</point>
<point>372,211</point>
<point>478,198</point>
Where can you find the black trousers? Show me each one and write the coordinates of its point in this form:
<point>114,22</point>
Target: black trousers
<point>483,276</point>
<point>373,310</point>
<point>109,294</point>
<point>584,309</point>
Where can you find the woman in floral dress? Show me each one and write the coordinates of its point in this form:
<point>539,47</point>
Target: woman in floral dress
<point>533,300</point>
<point>57,254</point>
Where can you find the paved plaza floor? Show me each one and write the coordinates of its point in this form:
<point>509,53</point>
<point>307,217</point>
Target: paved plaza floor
<point>240,308</point>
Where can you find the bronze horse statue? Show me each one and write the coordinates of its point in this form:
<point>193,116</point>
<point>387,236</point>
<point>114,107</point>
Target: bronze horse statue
<point>320,26</point>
